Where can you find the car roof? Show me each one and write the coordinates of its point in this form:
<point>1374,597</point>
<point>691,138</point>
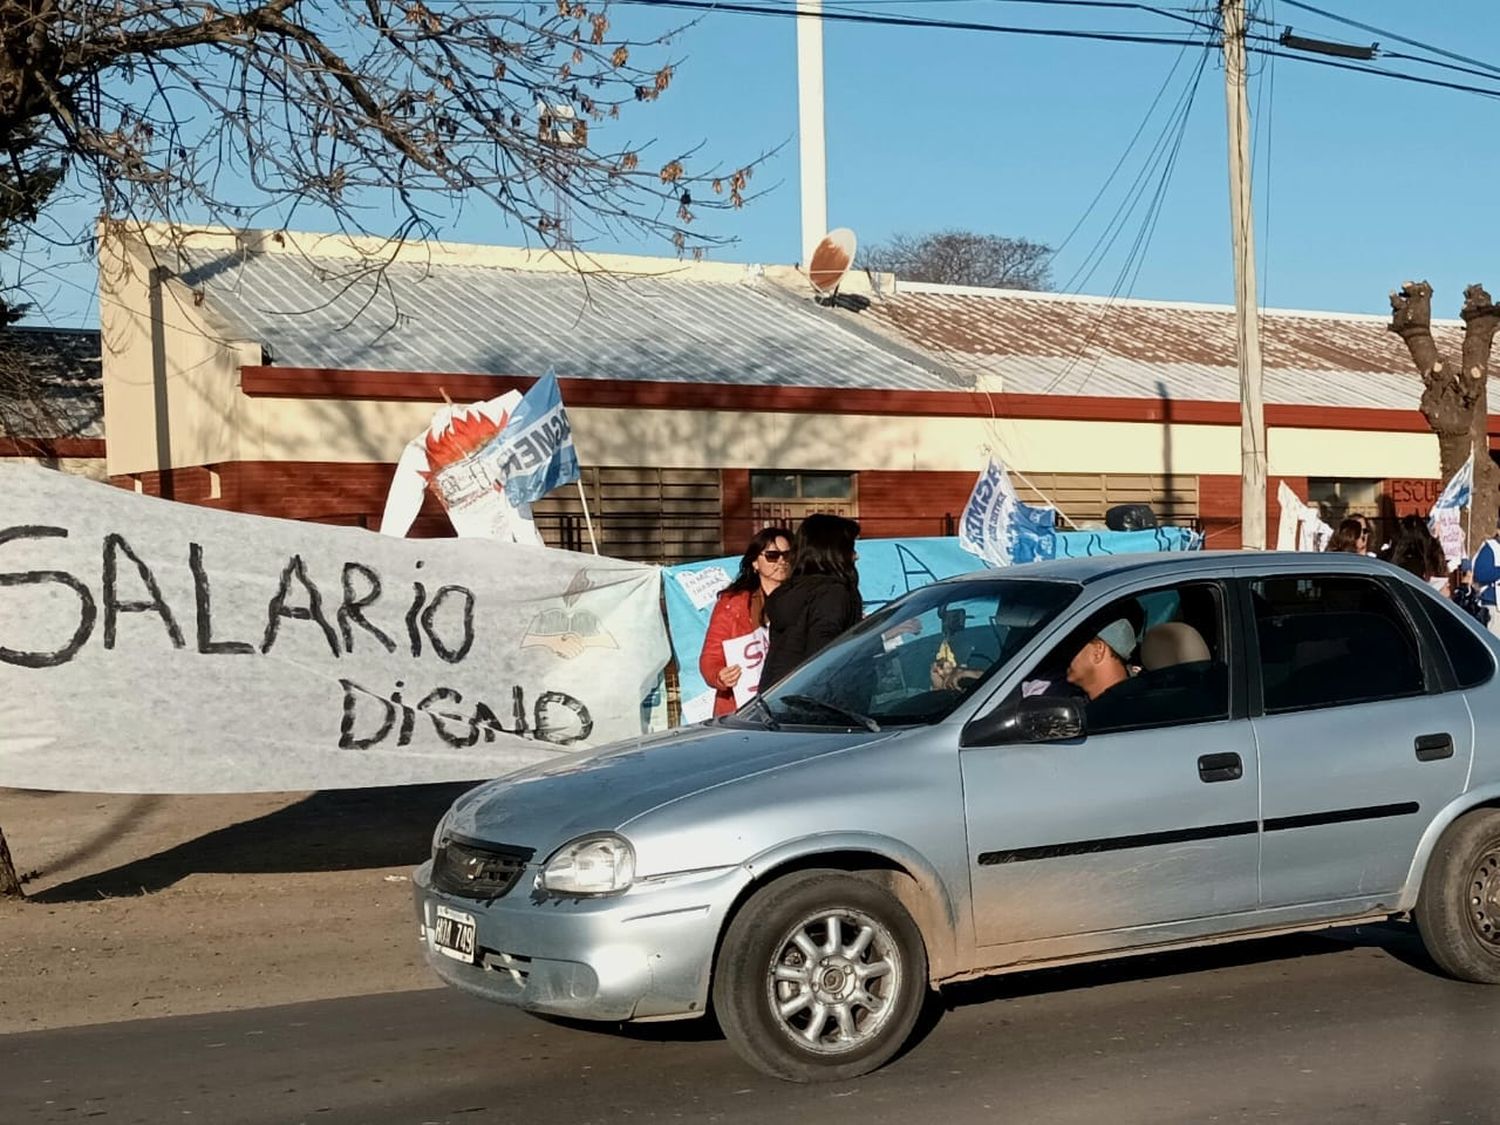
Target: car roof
<point>1177,564</point>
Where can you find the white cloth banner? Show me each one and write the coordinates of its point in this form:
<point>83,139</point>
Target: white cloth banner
<point>1301,526</point>
<point>445,457</point>
<point>154,647</point>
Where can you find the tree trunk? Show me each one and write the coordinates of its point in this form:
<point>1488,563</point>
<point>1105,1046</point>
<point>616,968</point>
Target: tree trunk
<point>1481,319</point>
<point>1455,399</point>
<point>10,882</point>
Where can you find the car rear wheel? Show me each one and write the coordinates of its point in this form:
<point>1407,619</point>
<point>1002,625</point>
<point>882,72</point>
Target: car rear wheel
<point>1458,910</point>
<point>821,977</point>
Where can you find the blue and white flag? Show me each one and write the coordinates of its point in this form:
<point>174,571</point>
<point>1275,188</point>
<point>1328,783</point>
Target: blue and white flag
<point>534,453</point>
<point>1446,518</point>
<point>1457,492</point>
<point>999,528</point>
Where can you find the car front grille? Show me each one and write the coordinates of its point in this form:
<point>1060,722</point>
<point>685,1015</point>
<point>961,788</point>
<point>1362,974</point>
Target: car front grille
<point>482,871</point>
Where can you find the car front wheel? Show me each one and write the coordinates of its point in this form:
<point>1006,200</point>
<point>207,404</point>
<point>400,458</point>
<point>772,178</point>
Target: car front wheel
<point>1458,910</point>
<point>821,977</point>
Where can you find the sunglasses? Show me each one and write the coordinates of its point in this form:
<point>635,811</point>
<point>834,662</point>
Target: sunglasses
<point>775,556</point>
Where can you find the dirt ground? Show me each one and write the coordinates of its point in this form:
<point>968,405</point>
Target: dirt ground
<point>151,906</point>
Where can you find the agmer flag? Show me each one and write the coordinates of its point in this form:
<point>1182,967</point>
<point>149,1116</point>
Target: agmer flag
<point>534,453</point>
<point>999,528</point>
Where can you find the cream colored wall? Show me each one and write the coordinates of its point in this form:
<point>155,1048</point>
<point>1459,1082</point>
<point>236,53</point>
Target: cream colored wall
<point>89,467</point>
<point>201,363</point>
<point>1352,453</point>
<point>317,430</point>
<point>297,429</point>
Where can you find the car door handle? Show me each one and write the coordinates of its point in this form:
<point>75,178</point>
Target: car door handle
<point>1434,747</point>
<point>1220,767</point>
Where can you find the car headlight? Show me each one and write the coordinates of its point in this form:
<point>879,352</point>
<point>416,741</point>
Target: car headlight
<point>590,865</point>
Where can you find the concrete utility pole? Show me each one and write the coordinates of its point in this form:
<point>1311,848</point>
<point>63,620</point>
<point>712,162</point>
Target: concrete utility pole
<point>812,152</point>
<point>1247,313</point>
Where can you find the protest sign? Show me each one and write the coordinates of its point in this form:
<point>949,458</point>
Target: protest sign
<point>154,647</point>
<point>748,653</point>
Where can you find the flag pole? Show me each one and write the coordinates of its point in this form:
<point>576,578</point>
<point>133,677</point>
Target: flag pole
<point>587,519</point>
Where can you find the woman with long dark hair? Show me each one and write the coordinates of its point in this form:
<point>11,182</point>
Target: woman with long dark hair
<point>741,609</point>
<point>820,600</point>
<point>1416,550</point>
<point>1351,537</point>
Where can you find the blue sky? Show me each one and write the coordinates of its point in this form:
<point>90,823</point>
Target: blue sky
<point>1361,182</point>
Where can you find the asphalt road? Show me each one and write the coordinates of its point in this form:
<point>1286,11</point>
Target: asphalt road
<point>1324,1029</point>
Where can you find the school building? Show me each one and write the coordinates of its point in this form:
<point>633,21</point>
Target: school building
<point>283,374</point>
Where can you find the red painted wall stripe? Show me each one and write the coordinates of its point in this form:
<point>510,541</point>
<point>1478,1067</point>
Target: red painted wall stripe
<point>419,386</point>
<point>51,447</point>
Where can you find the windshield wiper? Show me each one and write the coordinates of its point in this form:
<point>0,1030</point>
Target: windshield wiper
<point>771,723</point>
<point>834,709</point>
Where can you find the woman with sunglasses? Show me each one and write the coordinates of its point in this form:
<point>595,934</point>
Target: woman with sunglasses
<point>741,609</point>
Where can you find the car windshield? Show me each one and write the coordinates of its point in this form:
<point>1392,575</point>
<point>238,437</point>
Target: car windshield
<point>915,660</point>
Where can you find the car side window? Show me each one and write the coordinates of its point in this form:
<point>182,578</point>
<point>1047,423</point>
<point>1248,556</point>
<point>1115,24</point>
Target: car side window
<point>1166,665</point>
<point>1469,656</point>
<point>1331,641</point>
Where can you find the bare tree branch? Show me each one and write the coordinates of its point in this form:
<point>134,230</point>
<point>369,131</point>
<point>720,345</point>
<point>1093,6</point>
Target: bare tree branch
<point>194,112</point>
<point>957,257</point>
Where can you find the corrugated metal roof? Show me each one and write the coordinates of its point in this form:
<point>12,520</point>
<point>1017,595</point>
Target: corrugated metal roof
<point>309,311</point>
<point>1031,343</point>
<point>458,318</point>
<point>51,383</point>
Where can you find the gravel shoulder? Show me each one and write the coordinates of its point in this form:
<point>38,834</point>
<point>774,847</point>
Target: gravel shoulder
<point>142,906</point>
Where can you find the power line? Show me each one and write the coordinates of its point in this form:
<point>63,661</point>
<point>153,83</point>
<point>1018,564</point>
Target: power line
<point>1124,156</point>
<point>1178,14</point>
<point>857,16</point>
<point>1373,30</point>
<point>841,16</point>
<point>1379,72</point>
<point>1166,160</point>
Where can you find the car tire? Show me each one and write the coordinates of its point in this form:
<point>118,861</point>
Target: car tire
<point>820,978</point>
<point>1458,908</point>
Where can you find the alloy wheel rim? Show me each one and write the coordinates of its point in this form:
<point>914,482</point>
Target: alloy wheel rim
<point>833,981</point>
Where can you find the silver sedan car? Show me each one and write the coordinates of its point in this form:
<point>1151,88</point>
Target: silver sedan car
<point>1054,764</point>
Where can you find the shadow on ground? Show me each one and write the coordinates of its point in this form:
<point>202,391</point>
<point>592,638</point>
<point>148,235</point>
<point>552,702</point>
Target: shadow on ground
<point>333,830</point>
<point>1398,941</point>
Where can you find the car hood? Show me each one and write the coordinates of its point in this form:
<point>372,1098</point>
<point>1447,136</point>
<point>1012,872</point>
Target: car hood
<point>544,806</point>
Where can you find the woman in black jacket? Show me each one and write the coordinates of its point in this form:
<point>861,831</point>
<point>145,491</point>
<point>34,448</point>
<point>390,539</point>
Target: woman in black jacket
<point>819,601</point>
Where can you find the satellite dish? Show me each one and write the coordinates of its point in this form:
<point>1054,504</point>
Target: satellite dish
<point>831,260</point>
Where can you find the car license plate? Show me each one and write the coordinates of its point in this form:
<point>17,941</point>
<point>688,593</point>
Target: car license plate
<point>453,934</point>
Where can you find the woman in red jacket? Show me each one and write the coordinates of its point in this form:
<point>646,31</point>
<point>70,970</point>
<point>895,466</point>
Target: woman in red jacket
<point>767,563</point>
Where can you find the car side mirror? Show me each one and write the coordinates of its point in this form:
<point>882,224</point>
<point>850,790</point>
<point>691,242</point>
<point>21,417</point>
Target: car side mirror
<point>1036,718</point>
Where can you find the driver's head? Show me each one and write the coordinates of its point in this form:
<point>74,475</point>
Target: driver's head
<point>1100,664</point>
